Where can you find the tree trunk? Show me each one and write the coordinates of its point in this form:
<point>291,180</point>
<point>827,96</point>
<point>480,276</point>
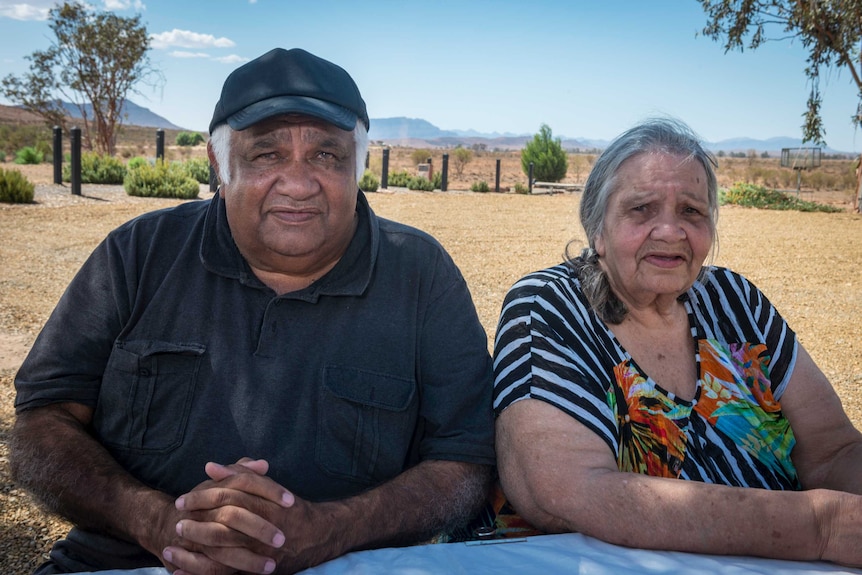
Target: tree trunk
<point>859,184</point>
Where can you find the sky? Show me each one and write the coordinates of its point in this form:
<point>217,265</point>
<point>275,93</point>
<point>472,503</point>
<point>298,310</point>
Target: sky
<point>586,68</point>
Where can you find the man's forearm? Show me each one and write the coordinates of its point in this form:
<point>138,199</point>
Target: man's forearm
<point>429,498</point>
<point>71,474</point>
<point>434,496</point>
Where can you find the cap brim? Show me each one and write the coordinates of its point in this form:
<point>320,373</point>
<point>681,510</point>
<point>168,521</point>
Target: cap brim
<point>259,111</point>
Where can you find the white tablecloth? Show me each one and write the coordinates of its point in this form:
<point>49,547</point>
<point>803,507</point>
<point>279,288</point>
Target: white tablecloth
<point>570,553</point>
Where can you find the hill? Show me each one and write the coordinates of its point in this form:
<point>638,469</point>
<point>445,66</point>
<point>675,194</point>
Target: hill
<point>417,133</point>
<point>135,116</point>
<point>420,133</point>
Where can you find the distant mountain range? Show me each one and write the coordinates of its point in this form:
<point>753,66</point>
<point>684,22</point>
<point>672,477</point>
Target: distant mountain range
<point>419,133</point>
<point>133,115</point>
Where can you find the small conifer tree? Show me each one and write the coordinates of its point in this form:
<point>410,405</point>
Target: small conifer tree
<point>547,156</point>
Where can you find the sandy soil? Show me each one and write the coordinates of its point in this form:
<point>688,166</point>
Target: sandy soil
<point>810,265</point>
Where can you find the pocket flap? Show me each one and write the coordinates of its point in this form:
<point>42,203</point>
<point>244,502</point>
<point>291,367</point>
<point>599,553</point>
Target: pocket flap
<point>369,388</point>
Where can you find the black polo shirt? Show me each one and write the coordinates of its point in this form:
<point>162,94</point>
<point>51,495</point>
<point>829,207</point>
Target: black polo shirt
<point>187,357</point>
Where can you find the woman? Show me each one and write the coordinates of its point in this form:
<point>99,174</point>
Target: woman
<point>631,367</point>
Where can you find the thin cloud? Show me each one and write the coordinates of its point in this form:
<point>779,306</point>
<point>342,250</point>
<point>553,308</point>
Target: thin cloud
<point>124,5</point>
<point>38,9</point>
<point>29,11</point>
<point>187,39</point>
<point>232,59</point>
<point>184,54</point>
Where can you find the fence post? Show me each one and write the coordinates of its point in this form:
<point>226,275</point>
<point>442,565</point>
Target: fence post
<point>497,180</point>
<point>530,176</point>
<point>384,175</point>
<point>58,155</point>
<point>160,144</point>
<point>75,158</point>
<point>444,180</point>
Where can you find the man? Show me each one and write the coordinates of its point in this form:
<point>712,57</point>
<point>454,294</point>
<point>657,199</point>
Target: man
<point>283,321</point>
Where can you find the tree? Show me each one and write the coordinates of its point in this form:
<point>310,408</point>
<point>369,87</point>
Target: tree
<point>95,61</point>
<point>547,156</point>
<point>460,158</point>
<point>829,30</point>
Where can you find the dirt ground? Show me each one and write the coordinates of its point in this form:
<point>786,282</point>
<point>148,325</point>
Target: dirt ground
<point>809,264</point>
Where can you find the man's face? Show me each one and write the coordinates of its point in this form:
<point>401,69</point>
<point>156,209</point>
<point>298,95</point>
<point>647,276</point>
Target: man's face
<point>291,200</point>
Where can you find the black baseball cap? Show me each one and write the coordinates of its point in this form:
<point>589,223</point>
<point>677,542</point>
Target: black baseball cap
<point>289,81</point>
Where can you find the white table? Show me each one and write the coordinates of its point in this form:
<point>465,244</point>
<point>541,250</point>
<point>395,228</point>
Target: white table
<point>569,553</point>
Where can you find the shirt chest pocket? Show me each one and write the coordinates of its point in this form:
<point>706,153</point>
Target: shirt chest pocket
<point>146,394</point>
<point>366,424</point>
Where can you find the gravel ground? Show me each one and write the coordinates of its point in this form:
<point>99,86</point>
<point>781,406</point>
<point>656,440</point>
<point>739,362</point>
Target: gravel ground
<point>810,266</point>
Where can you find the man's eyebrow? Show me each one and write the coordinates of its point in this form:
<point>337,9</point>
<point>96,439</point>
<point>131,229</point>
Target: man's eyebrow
<point>324,139</point>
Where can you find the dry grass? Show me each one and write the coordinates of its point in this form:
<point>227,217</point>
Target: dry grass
<point>808,264</point>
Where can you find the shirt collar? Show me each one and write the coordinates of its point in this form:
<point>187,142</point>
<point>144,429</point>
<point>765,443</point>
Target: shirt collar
<point>350,276</point>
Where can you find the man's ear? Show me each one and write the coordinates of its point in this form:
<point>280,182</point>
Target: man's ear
<point>214,164</point>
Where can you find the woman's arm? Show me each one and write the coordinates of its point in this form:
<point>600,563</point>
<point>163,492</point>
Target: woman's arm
<point>828,452</point>
<point>561,476</point>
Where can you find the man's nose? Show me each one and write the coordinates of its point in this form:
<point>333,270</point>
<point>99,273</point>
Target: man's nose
<point>296,179</point>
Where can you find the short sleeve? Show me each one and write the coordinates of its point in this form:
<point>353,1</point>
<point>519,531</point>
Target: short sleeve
<point>551,347</point>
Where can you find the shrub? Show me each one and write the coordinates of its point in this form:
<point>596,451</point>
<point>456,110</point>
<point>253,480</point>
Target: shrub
<point>420,155</point>
<point>420,183</point>
<point>29,155</point>
<point>549,160</point>
<point>189,139</point>
<point>521,188</point>
<point>369,182</point>
<point>198,169</point>
<point>460,158</point>
<point>45,149</point>
<point>2,155</point>
<point>137,162</point>
<point>480,186</point>
<point>15,188</point>
<point>161,181</point>
<point>437,180</point>
<point>752,196</point>
<point>399,179</point>
<point>97,169</point>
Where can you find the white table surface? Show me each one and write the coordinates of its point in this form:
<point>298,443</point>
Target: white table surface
<point>546,555</point>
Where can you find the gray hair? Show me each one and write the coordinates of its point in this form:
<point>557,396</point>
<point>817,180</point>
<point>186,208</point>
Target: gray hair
<point>220,142</point>
<point>654,136</point>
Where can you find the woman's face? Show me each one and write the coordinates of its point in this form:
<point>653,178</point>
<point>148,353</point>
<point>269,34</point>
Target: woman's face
<point>657,230</point>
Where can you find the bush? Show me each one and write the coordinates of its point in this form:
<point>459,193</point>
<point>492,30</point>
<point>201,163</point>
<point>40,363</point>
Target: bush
<point>460,158</point>
<point>161,181</point>
<point>15,188</point>
<point>420,156</point>
<point>752,196</point>
<point>437,180</point>
<point>480,186</point>
<point>420,183</point>
<point>2,155</point>
<point>399,179</point>
<point>29,155</point>
<point>369,182</point>
<point>521,188</point>
<point>198,169</point>
<point>549,160</point>
<point>97,169</point>
<point>137,162</point>
<point>45,149</point>
<point>189,139</point>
